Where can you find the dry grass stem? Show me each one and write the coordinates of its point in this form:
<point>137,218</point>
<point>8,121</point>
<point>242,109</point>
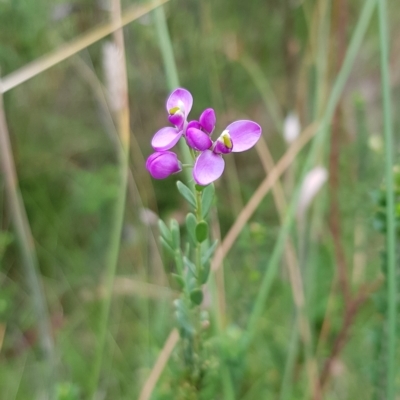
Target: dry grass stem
<point>262,190</point>
<point>2,333</point>
<point>126,286</point>
<point>159,366</point>
<point>47,61</point>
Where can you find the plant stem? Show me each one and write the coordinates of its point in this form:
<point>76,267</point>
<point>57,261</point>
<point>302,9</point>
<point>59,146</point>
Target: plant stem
<point>27,248</point>
<point>123,125</point>
<point>390,212</point>
<point>171,72</point>
<point>320,139</point>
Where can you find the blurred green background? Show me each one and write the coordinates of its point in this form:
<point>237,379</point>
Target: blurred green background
<point>258,60</point>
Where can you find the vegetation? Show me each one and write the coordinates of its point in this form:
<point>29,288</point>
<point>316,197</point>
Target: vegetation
<point>301,301</point>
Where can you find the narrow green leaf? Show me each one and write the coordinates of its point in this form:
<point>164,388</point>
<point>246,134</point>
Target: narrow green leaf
<point>191,223</point>
<point>205,272</point>
<point>191,266</point>
<point>175,233</point>
<point>182,316</point>
<point>196,296</point>
<point>164,231</point>
<point>186,193</point>
<point>179,280</point>
<point>207,199</point>
<point>167,247</point>
<point>201,231</point>
<point>209,252</point>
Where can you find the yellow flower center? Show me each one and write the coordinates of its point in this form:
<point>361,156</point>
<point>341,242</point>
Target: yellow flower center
<point>174,110</point>
<point>226,139</point>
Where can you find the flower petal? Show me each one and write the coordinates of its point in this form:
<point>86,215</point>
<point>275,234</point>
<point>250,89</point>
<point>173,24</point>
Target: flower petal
<point>163,164</point>
<point>208,119</point>
<point>221,147</point>
<point>165,138</point>
<point>194,124</point>
<point>208,168</point>
<point>178,98</point>
<point>177,119</point>
<point>244,134</point>
<point>198,139</point>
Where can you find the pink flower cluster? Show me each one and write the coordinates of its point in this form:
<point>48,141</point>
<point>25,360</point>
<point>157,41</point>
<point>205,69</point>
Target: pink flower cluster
<point>209,165</point>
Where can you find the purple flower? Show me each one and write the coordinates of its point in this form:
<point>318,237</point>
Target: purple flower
<point>238,136</point>
<point>198,132</point>
<point>162,164</point>
<point>178,107</point>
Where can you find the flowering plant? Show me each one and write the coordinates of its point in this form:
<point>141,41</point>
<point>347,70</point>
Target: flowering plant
<point>209,164</point>
<point>192,265</point>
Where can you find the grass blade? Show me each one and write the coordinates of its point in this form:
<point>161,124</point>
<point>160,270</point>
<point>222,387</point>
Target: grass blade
<point>390,212</point>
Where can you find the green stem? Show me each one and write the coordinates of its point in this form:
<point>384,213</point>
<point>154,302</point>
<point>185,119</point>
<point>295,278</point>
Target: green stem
<point>199,218</point>
<point>111,267</point>
<point>122,119</point>
<point>320,139</point>
<point>286,385</point>
<point>27,247</point>
<point>171,71</point>
<point>390,212</point>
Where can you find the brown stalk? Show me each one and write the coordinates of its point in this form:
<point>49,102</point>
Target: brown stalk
<point>262,190</point>
<point>159,366</point>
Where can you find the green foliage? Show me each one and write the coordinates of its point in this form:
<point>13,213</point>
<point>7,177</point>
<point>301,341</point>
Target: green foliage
<point>63,144</point>
<point>207,198</point>
<point>202,231</point>
<point>196,296</point>
<point>186,193</point>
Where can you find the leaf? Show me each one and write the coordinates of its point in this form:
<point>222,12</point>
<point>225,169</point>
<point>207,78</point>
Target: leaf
<point>196,296</point>
<point>207,199</point>
<point>186,193</point>
<point>175,233</point>
<point>205,272</point>
<point>179,280</point>
<point>167,247</point>
<point>208,253</point>
<point>191,266</point>
<point>182,316</point>
<point>191,223</point>
<point>164,231</point>
<point>201,231</point>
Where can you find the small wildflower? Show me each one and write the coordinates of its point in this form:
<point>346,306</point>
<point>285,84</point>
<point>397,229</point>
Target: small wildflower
<point>209,164</point>
<point>178,107</point>
<point>162,164</point>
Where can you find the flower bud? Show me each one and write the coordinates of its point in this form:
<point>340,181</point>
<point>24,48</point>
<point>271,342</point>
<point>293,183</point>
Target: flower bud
<point>291,128</point>
<point>162,164</point>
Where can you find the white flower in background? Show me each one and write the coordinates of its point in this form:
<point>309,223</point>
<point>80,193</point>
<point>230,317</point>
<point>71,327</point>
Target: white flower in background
<point>375,143</point>
<point>312,184</point>
<point>291,128</point>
